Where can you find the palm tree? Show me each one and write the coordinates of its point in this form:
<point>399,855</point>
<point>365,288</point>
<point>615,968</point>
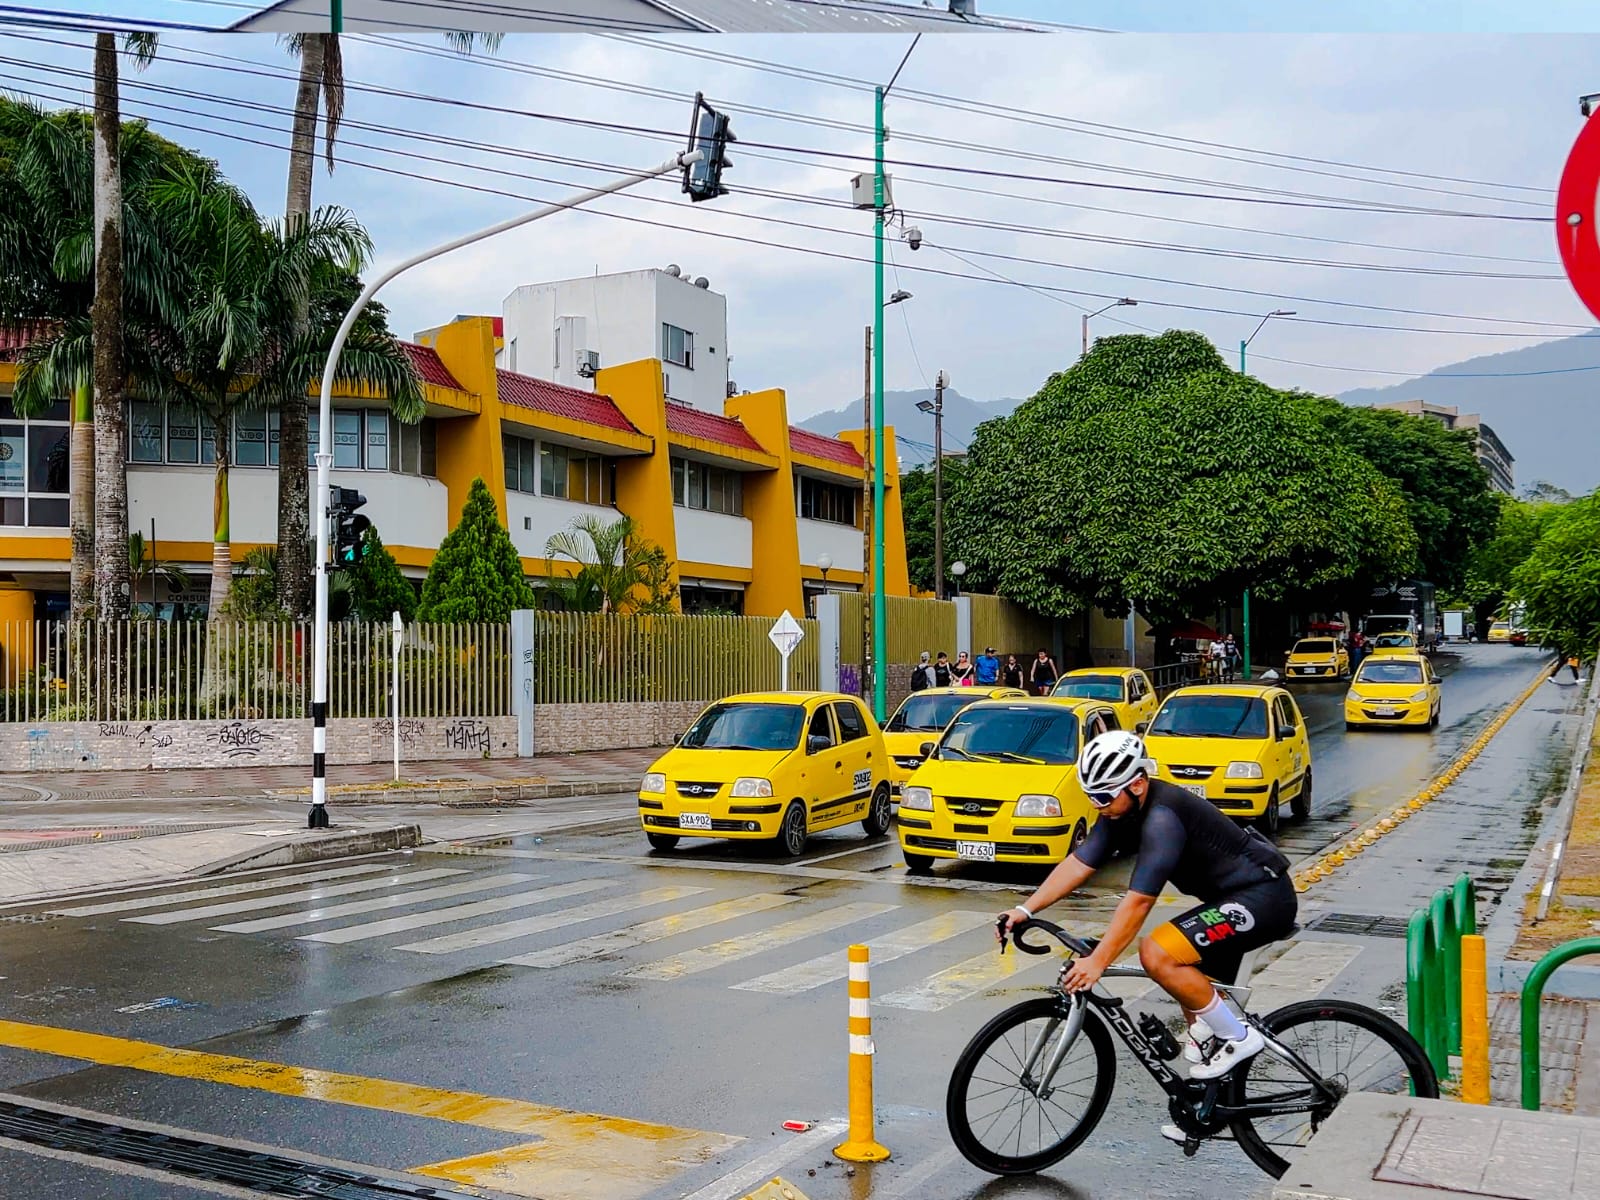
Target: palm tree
<point>614,563</point>
<point>239,343</point>
<point>112,593</point>
<point>143,565</point>
<point>321,83</point>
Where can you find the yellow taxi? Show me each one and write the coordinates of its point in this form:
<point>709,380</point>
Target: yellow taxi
<point>775,766</point>
<point>1500,631</point>
<point>922,717</point>
<point>1392,643</point>
<point>1319,657</point>
<point>1241,746</point>
<point>1001,785</point>
<point>1393,689</point>
<point>1126,689</point>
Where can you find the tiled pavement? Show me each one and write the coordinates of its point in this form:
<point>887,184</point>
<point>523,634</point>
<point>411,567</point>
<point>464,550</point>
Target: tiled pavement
<point>596,765</point>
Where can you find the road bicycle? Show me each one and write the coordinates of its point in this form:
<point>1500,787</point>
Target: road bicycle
<point>1033,1083</point>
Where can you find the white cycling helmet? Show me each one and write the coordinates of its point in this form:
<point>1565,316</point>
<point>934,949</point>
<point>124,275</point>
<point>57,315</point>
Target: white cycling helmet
<point>1110,762</point>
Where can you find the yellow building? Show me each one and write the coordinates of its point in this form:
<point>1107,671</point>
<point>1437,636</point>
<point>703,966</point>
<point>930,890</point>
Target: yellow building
<point>749,507</point>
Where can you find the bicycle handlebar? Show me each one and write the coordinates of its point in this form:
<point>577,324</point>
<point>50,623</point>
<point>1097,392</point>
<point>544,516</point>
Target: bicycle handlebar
<point>1073,943</point>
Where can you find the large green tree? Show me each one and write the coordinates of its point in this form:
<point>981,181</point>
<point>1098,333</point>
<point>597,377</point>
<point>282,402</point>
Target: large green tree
<point>1151,473</point>
<point>1487,582</point>
<point>1560,580</point>
<point>477,573</point>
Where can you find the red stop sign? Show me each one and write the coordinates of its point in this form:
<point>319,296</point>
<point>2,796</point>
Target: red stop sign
<point>1577,221</point>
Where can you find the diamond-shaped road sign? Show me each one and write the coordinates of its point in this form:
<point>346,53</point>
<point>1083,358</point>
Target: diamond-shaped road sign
<point>786,634</point>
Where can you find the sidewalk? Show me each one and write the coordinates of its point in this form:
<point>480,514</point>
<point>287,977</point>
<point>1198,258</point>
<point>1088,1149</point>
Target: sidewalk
<point>499,780</point>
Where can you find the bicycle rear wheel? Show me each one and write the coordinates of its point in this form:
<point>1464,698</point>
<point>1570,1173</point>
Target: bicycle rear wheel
<point>998,1122</point>
<point>1351,1045</point>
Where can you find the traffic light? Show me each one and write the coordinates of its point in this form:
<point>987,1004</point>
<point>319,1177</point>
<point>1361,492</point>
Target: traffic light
<point>348,525</point>
<point>709,133</point>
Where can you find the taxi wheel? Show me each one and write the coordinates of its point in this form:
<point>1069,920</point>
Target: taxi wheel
<point>663,841</point>
<point>1434,723</point>
<point>1080,834</point>
<point>878,813</point>
<point>919,864</point>
<point>791,839</point>
<point>1300,806</point>
<point>1269,821</point>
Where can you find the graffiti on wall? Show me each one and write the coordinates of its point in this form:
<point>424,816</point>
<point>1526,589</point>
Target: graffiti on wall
<point>58,749</point>
<point>412,731</point>
<point>467,734</point>
<point>240,739</point>
<point>139,735</point>
<point>849,679</point>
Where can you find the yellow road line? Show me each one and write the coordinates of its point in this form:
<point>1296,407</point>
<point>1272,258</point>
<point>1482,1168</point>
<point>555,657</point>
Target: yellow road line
<point>579,1156</point>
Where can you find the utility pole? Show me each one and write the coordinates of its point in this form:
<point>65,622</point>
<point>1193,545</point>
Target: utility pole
<point>936,407</point>
<point>866,488</point>
<point>1243,345</point>
<point>880,608</point>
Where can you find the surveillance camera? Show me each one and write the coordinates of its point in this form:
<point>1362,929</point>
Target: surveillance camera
<point>1586,104</point>
<point>914,238</point>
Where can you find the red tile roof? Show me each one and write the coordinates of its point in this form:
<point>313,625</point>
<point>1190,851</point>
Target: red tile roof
<point>710,427</point>
<point>430,367</point>
<point>524,391</point>
<point>803,441</point>
<point>14,338</point>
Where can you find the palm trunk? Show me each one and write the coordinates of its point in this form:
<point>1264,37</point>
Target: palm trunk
<point>294,485</point>
<point>221,538</point>
<point>80,474</point>
<point>110,547</point>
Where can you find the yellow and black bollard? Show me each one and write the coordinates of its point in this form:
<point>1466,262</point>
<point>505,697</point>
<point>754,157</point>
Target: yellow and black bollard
<point>1474,1020</point>
<point>860,1145</point>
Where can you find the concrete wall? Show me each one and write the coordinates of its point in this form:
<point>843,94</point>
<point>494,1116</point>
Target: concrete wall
<point>569,728</point>
<point>843,543</point>
<point>709,537</point>
<point>531,520</point>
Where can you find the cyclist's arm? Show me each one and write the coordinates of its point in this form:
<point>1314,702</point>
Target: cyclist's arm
<point>1125,925</point>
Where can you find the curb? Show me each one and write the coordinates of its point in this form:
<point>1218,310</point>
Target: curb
<point>1330,861</point>
<point>488,795</point>
<point>338,844</point>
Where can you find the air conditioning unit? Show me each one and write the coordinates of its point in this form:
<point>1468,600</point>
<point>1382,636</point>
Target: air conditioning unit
<point>861,193</point>
<point>588,363</point>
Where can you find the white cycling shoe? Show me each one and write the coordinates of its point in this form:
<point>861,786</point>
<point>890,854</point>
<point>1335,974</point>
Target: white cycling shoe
<point>1199,1034</point>
<point>1228,1054</point>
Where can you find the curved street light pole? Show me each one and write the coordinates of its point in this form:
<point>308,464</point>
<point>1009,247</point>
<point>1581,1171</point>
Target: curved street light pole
<point>1124,302</point>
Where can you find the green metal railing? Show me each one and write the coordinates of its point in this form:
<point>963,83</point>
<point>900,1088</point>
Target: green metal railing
<point>1433,970</point>
<point>1532,993</point>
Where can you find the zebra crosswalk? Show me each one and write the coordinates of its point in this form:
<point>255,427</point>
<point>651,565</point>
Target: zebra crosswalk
<point>708,932</point>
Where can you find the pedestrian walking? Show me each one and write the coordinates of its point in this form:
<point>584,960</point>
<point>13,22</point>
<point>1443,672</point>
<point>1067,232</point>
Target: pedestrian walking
<point>1235,659</point>
<point>941,670</point>
<point>988,668</point>
<point>922,674</point>
<point>963,673</point>
<point>1218,656</point>
<point>1569,661</point>
<point>1043,674</point>
<point>1011,673</point>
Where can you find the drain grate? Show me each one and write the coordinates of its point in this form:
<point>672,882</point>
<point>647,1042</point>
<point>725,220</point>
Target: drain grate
<point>1360,924</point>
<point>266,1174</point>
<point>33,918</point>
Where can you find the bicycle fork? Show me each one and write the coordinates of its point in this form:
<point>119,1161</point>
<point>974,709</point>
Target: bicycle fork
<point>1040,1087</point>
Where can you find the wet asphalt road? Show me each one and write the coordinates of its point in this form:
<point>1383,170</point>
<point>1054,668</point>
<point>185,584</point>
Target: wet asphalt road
<point>715,1004</point>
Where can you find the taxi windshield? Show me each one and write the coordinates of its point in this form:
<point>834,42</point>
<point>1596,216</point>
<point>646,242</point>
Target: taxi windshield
<point>1211,716</point>
<point>746,726</point>
<point>1378,670</point>
<point>923,713</point>
<point>1314,646</point>
<point>1090,687</point>
<point>1016,735</point>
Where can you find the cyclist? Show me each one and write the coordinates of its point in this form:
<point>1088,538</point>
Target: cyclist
<point>1247,898</point>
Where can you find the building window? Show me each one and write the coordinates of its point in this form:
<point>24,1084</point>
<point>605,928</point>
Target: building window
<point>250,439</point>
<point>677,346</point>
<point>377,440</point>
<point>714,489</point>
<point>819,501</point>
<point>34,461</point>
<point>543,469</point>
<point>144,431</point>
<point>707,599</point>
<point>414,447</point>
<point>347,439</point>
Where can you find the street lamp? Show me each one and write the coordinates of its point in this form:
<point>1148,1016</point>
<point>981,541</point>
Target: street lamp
<point>936,407</point>
<point>824,564</point>
<point>899,295</point>
<point>1114,304</point>
<point>958,569</point>
<point>1280,312</point>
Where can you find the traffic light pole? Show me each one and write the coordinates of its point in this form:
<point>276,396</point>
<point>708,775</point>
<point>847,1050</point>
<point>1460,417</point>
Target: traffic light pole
<point>318,817</point>
<point>880,606</point>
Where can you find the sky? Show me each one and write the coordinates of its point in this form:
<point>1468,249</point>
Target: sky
<point>1098,132</point>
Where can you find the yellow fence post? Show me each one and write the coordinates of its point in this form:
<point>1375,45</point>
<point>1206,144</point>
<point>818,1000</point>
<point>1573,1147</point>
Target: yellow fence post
<point>1474,1020</point>
<point>860,1146</point>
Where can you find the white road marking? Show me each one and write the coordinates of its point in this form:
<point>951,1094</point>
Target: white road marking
<point>206,912</point>
<point>650,931</point>
<point>819,1139</point>
<point>484,883</point>
<point>444,916</point>
<point>551,920</point>
<point>212,893</point>
<point>704,958</point>
<point>911,1183</point>
<point>827,968</point>
<point>954,984</point>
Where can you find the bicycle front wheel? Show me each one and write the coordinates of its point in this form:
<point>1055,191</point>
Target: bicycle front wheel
<point>998,1118</point>
<point>1350,1045</point>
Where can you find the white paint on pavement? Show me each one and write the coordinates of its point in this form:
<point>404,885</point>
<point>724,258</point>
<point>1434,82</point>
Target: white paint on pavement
<point>828,968</point>
<point>212,893</point>
<point>704,958</point>
<point>485,883</point>
<point>443,916</point>
<point>308,895</point>
<point>650,931</point>
<point>817,1140</point>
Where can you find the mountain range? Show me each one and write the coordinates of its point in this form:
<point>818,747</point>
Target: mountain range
<point>1543,401</point>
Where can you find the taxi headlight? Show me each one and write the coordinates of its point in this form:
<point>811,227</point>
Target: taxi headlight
<point>653,782</point>
<point>749,786</point>
<point>1243,770</point>
<point>919,798</point>
<point>1356,698</point>
<point>1034,805</point>
<point>1419,697</point>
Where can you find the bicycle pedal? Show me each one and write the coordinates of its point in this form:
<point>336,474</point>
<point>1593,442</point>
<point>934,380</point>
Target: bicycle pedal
<point>1191,1147</point>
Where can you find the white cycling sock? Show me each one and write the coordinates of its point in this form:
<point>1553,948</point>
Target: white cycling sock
<point>1224,1022</point>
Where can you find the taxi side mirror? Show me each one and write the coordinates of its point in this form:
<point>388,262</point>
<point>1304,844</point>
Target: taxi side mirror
<point>927,748</point>
<point>1141,728</point>
<point>817,743</point>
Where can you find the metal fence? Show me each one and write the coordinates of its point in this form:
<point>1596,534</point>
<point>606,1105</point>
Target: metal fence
<point>1008,627</point>
<point>192,670</point>
<point>587,658</point>
<point>916,625</point>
